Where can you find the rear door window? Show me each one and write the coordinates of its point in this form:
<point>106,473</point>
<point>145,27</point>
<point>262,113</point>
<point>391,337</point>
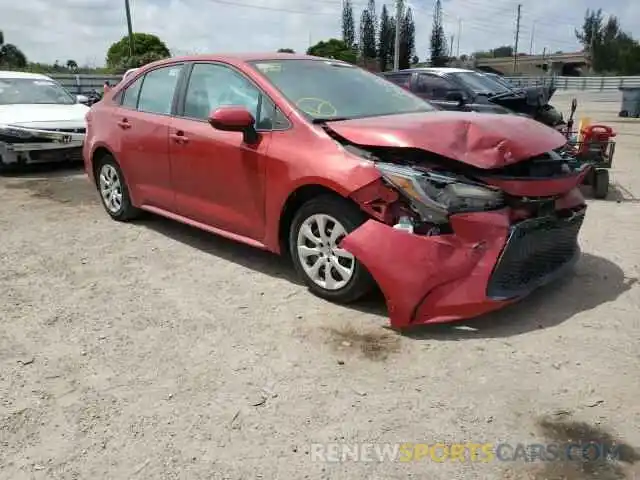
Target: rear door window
<point>401,79</point>
<point>432,86</point>
<point>158,90</point>
<point>131,94</point>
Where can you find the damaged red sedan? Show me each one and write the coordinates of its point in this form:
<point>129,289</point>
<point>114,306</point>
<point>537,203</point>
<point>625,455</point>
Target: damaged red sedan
<point>450,214</point>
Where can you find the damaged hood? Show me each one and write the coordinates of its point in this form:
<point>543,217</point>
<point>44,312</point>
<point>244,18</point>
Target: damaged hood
<point>44,116</point>
<point>533,97</point>
<point>484,141</point>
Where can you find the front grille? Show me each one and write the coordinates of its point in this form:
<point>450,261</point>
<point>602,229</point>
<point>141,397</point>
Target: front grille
<point>537,250</point>
<point>73,154</point>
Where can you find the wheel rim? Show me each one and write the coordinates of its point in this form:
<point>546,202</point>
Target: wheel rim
<point>111,188</point>
<point>325,263</point>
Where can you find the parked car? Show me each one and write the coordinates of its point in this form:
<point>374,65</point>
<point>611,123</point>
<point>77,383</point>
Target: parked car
<point>39,120</point>
<point>500,79</point>
<point>468,90</point>
<point>361,182</point>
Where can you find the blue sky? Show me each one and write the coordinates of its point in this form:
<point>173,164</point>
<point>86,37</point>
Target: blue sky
<point>83,29</point>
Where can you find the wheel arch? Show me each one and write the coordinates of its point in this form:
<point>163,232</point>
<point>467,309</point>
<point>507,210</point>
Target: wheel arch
<point>98,154</point>
<point>294,201</point>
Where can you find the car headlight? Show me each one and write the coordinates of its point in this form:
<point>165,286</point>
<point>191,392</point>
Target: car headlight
<point>9,131</point>
<point>435,196</point>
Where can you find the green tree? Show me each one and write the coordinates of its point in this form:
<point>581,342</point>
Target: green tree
<point>439,56</point>
<point>333,48</point>
<point>286,50</point>
<point>72,65</point>
<point>348,25</point>
<point>10,55</point>
<point>385,40</point>
<point>367,35</point>
<point>146,47</point>
<point>407,40</point>
<point>611,49</point>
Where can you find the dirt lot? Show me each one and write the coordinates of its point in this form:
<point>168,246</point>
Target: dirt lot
<point>154,351</point>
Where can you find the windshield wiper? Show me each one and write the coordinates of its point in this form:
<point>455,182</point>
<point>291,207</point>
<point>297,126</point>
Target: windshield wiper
<point>329,119</point>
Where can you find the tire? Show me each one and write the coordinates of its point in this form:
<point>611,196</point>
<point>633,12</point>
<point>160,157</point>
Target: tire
<point>335,212</point>
<point>109,178</point>
<point>601,183</point>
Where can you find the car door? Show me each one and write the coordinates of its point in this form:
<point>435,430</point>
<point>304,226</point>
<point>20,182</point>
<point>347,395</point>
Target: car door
<point>219,180</point>
<point>435,89</point>
<point>143,119</point>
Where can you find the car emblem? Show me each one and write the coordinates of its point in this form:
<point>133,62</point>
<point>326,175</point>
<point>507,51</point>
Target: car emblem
<point>65,139</point>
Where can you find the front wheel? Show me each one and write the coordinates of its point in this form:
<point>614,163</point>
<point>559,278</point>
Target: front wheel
<point>314,242</point>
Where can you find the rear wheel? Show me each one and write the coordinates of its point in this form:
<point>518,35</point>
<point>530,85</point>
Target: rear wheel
<point>328,270</point>
<point>113,190</point>
<point>601,183</point>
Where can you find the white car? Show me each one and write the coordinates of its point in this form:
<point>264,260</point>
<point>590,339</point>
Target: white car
<point>39,120</point>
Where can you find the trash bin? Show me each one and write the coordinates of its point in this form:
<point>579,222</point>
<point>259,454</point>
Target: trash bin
<point>630,102</point>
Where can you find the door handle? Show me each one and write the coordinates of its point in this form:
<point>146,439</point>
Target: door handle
<point>179,137</point>
<point>124,124</point>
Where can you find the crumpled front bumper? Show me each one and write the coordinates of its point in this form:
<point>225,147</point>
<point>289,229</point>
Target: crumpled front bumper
<point>436,279</point>
<point>21,144</point>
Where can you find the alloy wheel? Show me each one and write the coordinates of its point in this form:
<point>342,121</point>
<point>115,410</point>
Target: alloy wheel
<point>110,188</point>
<point>323,261</point>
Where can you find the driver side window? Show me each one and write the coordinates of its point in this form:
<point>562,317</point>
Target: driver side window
<point>212,86</point>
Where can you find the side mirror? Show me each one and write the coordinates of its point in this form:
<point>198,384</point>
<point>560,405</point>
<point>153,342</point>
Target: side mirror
<point>454,96</point>
<point>83,99</point>
<point>235,119</point>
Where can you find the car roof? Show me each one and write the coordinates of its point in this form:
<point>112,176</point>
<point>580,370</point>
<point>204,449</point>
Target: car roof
<point>33,76</point>
<point>239,58</point>
<point>437,70</point>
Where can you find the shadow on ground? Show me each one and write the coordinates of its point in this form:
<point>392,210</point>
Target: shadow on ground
<point>40,170</point>
<point>620,194</point>
<point>60,182</point>
<point>595,281</point>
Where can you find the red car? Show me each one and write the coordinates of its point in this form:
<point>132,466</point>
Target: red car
<point>451,214</point>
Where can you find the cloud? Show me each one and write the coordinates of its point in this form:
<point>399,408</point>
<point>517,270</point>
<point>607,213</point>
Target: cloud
<point>83,29</point>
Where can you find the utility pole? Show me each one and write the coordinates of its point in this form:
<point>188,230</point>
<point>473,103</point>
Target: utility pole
<point>458,38</point>
<point>451,47</point>
<point>130,28</point>
<point>533,30</point>
<point>515,48</point>
<point>396,49</point>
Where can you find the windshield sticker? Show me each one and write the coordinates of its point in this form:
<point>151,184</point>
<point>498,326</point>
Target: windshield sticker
<point>269,67</point>
<point>46,83</point>
<point>174,72</point>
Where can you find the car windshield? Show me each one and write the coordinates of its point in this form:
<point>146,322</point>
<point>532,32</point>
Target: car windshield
<point>15,91</point>
<point>501,81</point>
<point>325,90</point>
<point>480,84</point>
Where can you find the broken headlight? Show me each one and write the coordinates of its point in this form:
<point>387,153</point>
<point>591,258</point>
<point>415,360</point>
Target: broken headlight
<point>436,195</point>
<point>8,131</point>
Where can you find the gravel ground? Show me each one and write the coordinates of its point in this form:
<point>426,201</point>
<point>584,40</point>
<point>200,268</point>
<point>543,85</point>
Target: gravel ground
<point>154,351</point>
